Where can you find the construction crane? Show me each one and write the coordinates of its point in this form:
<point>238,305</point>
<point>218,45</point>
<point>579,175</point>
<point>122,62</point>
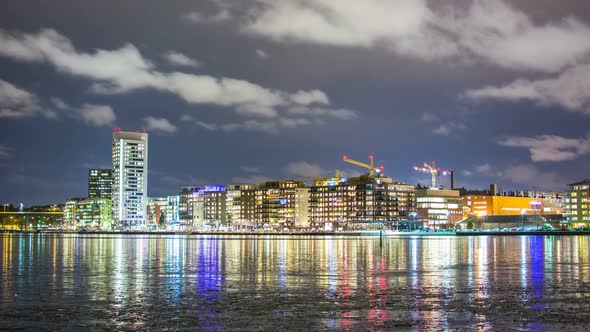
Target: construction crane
<point>431,168</point>
<point>371,167</point>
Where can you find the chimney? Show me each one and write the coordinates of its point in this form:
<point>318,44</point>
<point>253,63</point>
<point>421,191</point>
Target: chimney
<point>493,189</point>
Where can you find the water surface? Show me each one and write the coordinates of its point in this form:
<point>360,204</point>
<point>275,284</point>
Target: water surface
<point>241,283</point>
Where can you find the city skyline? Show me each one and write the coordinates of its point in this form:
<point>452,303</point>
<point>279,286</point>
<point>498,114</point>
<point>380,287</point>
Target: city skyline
<point>228,94</point>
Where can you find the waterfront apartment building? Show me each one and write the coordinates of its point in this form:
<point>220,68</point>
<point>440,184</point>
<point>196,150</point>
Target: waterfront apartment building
<point>100,183</point>
<point>336,201</point>
<point>302,207</point>
<point>439,208</point>
<point>203,207</point>
<point>275,204</point>
<point>240,205</point>
<point>130,179</point>
<point>88,213</point>
<point>578,205</point>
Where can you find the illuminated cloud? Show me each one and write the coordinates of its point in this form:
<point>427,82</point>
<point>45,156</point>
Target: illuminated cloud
<point>490,31</point>
<point>125,69</point>
<point>91,114</point>
<point>16,103</point>
<point>201,18</point>
<point>550,147</point>
<point>97,115</point>
<point>305,170</point>
<point>570,90</point>
<point>533,178</point>
<point>159,125</point>
<point>5,152</point>
<point>179,59</point>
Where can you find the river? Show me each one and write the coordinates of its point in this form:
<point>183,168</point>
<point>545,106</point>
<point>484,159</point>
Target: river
<point>307,283</point>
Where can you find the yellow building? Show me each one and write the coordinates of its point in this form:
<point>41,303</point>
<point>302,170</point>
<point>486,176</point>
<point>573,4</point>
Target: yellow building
<point>504,206</point>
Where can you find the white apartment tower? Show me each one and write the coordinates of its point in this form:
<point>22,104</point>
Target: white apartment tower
<point>130,179</point>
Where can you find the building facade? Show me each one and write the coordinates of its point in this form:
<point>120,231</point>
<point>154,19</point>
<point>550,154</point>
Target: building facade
<point>89,213</point>
<point>359,200</point>
<point>100,183</point>
<point>439,208</point>
<point>156,212</point>
<point>203,207</point>
<point>579,212</point>
<point>478,205</point>
<point>130,179</point>
<point>302,207</point>
<point>275,204</point>
<point>173,211</point>
<point>240,205</point>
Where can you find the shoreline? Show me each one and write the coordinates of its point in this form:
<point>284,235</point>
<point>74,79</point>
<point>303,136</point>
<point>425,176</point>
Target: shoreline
<point>319,234</point>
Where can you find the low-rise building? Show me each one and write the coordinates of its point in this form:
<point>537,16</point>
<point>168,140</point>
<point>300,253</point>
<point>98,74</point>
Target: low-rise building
<point>579,211</point>
<point>88,213</point>
<point>156,212</point>
<point>439,208</point>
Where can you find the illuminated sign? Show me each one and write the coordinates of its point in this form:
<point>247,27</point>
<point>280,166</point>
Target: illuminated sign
<point>283,201</point>
<point>213,188</point>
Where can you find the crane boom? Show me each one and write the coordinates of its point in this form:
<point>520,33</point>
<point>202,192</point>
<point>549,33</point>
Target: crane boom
<point>371,167</point>
<point>432,170</point>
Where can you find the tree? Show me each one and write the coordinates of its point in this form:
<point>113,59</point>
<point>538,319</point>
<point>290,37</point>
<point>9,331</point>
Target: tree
<point>162,220</point>
<point>106,214</point>
<point>470,224</point>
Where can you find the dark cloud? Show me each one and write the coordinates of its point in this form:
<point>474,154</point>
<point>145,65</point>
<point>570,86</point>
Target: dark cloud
<point>220,85</point>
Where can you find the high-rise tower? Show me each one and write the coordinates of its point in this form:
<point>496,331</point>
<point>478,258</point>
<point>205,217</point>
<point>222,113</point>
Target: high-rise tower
<point>100,182</point>
<point>130,178</point>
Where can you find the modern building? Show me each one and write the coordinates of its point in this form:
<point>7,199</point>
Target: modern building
<point>503,206</point>
<point>100,183</point>
<point>88,213</point>
<point>240,205</point>
<point>579,212</point>
<point>336,202</point>
<point>275,204</point>
<point>130,179</point>
<point>203,207</point>
<point>439,208</point>
<point>173,211</point>
<point>302,207</point>
<point>156,212</point>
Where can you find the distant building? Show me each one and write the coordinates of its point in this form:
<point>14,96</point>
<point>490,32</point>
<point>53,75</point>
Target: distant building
<point>100,183</point>
<point>302,207</point>
<point>578,205</point>
<point>156,211</point>
<point>439,208</point>
<point>502,206</point>
<point>203,207</point>
<point>173,211</point>
<point>88,213</point>
<point>240,205</point>
<point>360,199</point>
<point>130,179</point>
<point>275,204</point>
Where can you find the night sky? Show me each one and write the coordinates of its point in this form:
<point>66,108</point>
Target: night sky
<point>245,91</point>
